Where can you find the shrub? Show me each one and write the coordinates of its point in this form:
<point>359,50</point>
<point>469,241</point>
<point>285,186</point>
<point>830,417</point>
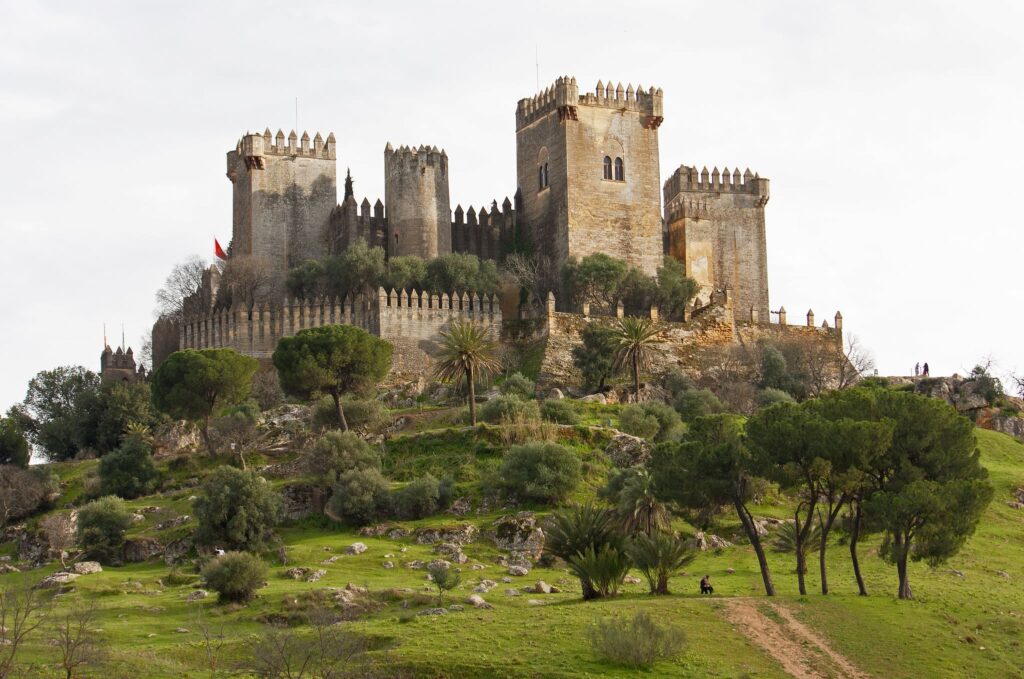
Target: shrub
<point>677,381</point>
<point>365,413</point>
<point>13,445</point>
<point>695,403</point>
<point>445,492</point>
<point>235,576</point>
<point>633,420</point>
<point>360,496</point>
<point>129,471</point>
<point>575,530</point>
<point>658,557</point>
<point>419,499</point>
<point>508,409</point>
<point>669,424</point>
<point>559,411</point>
<point>235,430</point>
<point>519,385</point>
<point>541,472</point>
<point>266,389</point>
<point>337,452</point>
<point>637,643</point>
<point>101,527</point>
<point>770,396</point>
<point>236,510</point>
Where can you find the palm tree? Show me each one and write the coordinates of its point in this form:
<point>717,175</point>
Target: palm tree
<point>638,508</point>
<point>785,543</point>
<point>659,556</point>
<point>467,353</point>
<point>635,338</point>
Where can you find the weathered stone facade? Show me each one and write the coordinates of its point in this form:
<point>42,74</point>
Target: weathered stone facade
<point>416,195</point>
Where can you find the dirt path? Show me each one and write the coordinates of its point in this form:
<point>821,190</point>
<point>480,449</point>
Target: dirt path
<point>802,653</point>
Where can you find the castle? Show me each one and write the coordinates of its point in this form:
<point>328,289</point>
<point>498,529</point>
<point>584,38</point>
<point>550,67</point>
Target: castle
<point>589,181</point>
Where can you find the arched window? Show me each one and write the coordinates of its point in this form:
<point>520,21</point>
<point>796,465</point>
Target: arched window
<point>542,169</point>
<point>607,167</point>
<point>620,175</point>
<point>546,182</point>
<point>540,177</point>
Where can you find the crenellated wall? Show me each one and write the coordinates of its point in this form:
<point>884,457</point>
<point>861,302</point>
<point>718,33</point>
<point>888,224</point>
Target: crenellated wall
<point>410,320</point>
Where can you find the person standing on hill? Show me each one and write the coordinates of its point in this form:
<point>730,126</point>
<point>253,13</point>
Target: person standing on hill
<point>927,371</point>
<point>917,369</point>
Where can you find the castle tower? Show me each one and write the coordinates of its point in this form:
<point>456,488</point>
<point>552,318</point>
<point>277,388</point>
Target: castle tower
<point>588,170</point>
<point>715,226</point>
<point>284,191</point>
<point>419,216</point>
<point>118,366</point>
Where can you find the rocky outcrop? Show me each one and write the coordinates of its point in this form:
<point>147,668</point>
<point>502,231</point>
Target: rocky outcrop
<point>626,450</point>
<point>300,500</point>
<point>174,438</point>
<point>460,533</point>
<point>305,574</point>
<point>703,542</point>
<point>57,580</point>
<point>393,531</point>
<point>142,549</point>
<point>518,533</point>
<point>451,551</point>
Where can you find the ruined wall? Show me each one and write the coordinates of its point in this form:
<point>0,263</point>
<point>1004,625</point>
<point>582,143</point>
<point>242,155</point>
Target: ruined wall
<point>283,195</point>
<point>581,212</point>
<point>417,202</point>
<point>715,226</point>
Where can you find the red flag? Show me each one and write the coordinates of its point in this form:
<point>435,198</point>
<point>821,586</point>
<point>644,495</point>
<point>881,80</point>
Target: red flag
<point>219,251</point>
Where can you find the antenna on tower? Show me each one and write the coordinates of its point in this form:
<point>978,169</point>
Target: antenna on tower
<point>296,113</point>
<point>536,62</point>
<point>104,334</point>
<point>122,337</point>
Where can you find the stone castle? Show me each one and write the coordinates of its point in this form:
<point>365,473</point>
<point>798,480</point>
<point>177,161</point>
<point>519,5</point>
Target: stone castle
<point>589,181</point>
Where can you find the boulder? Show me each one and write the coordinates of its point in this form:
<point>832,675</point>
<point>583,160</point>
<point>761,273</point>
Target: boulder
<point>305,574</point>
<point>170,439</point>
<point>173,523</point>
<point>703,542</point>
<point>485,586</point>
<point>87,567</point>
<point>197,595</point>
<point>631,580</point>
<point>433,611</point>
<point>541,588</point>
<point>518,570</point>
<point>478,601</point>
<point>355,548</point>
<point>451,551</point>
<point>388,564</point>
<point>595,398</point>
<point>439,563</point>
<point>8,568</point>
<point>626,450</point>
<point>511,592</point>
<point>518,533</point>
<point>57,580</point>
<point>460,533</point>
<point>301,500</point>
<point>556,394</point>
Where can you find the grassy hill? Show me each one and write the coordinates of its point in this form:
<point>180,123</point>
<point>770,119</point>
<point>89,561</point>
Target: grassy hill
<point>967,618</point>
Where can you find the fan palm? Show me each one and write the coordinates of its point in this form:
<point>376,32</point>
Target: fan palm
<point>659,556</point>
<point>785,541</point>
<point>467,353</point>
<point>635,339</point>
<point>638,507</point>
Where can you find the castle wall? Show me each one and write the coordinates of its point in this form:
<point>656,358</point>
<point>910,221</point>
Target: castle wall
<point>716,227</point>
<point>488,235</point>
<point>416,197</point>
<point>283,195</point>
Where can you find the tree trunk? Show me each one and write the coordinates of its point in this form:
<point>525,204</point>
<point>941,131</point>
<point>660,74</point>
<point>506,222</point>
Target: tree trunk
<point>826,528</point>
<point>205,431</point>
<point>801,565</point>
<point>901,569</point>
<point>854,536</point>
<point>636,378</point>
<point>755,541</point>
<point>470,384</point>
<point>341,411</point>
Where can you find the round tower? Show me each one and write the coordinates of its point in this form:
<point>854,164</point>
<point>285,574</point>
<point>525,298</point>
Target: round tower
<point>419,220</point>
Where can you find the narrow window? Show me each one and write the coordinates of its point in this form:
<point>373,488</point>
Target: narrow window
<point>540,178</point>
<point>546,182</point>
<point>619,173</point>
<point>607,167</point>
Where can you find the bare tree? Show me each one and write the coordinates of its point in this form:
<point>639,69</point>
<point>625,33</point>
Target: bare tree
<point>59,531</point>
<point>827,366</point>
<point>185,278</point>
<point>21,493</point>
<point>78,641</point>
<point>534,273</point>
<point>212,639</point>
<point>328,652</point>
<point>247,280</point>
<point>22,610</point>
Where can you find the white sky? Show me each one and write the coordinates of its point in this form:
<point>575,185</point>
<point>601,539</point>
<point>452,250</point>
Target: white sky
<point>891,133</point>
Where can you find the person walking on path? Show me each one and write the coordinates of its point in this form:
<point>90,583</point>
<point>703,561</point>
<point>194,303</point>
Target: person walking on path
<point>917,369</point>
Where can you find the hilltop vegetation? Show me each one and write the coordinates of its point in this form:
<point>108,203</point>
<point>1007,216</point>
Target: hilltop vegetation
<point>548,540</point>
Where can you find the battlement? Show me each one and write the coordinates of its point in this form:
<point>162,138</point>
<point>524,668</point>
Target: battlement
<point>253,147</point>
<point>488,235</point>
<point>688,179</point>
<point>413,156</point>
<point>564,97</point>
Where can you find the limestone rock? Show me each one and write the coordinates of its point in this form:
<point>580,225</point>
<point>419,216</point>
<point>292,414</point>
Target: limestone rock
<point>703,542</point>
<point>87,567</point>
<point>197,595</point>
<point>518,570</point>
<point>305,574</point>
<point>355,548</point>
<point>439,563</point>
<point>388,564</point>
<point>511,592</point>
<point>142,549</point>
<point>391,530</point>
<point>57,580</point>
<point>631,580</point>
<point>534,602</point>
<point>595,398</point>
<point>478,601</point>
<point>556,394</point>
<point>451,551</point>
<point>485,586</point>
<point>461,533</point>
<point>518,533</point>
<point>626,450</point>
<point>433,611</point>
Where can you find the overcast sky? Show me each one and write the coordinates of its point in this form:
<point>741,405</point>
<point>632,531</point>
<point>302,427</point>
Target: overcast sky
<point>891,133</point>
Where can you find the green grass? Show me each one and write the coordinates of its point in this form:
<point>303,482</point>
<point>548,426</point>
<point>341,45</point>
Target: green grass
<point>939,634</point>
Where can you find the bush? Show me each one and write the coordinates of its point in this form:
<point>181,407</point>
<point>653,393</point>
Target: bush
<point>659,556</point>
<point>636,643</point>
<point>508,409</point>
<point>770,396</point>
<point>360,496</point>
<point>603,568</point>
<point>669,424</point>
<point>25,491</point>
<point>677,381</point>
<point>419,499</point>
<point>101,527</point>
<point>129,471</point>
<point>236,510</point>
<point>633,420</point>
<point>559,411</point>
<point>235,576</point>
<point>695,403</point>
<point>337,452</point>
<point>368,413</point>
<point>519,385</point>
<point>266,389</point>
<point>13,445</point>
<point>539,472</point>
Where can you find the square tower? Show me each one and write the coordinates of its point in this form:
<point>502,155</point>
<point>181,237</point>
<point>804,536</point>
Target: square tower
<point>284,192</point>
<point>588,170</point>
